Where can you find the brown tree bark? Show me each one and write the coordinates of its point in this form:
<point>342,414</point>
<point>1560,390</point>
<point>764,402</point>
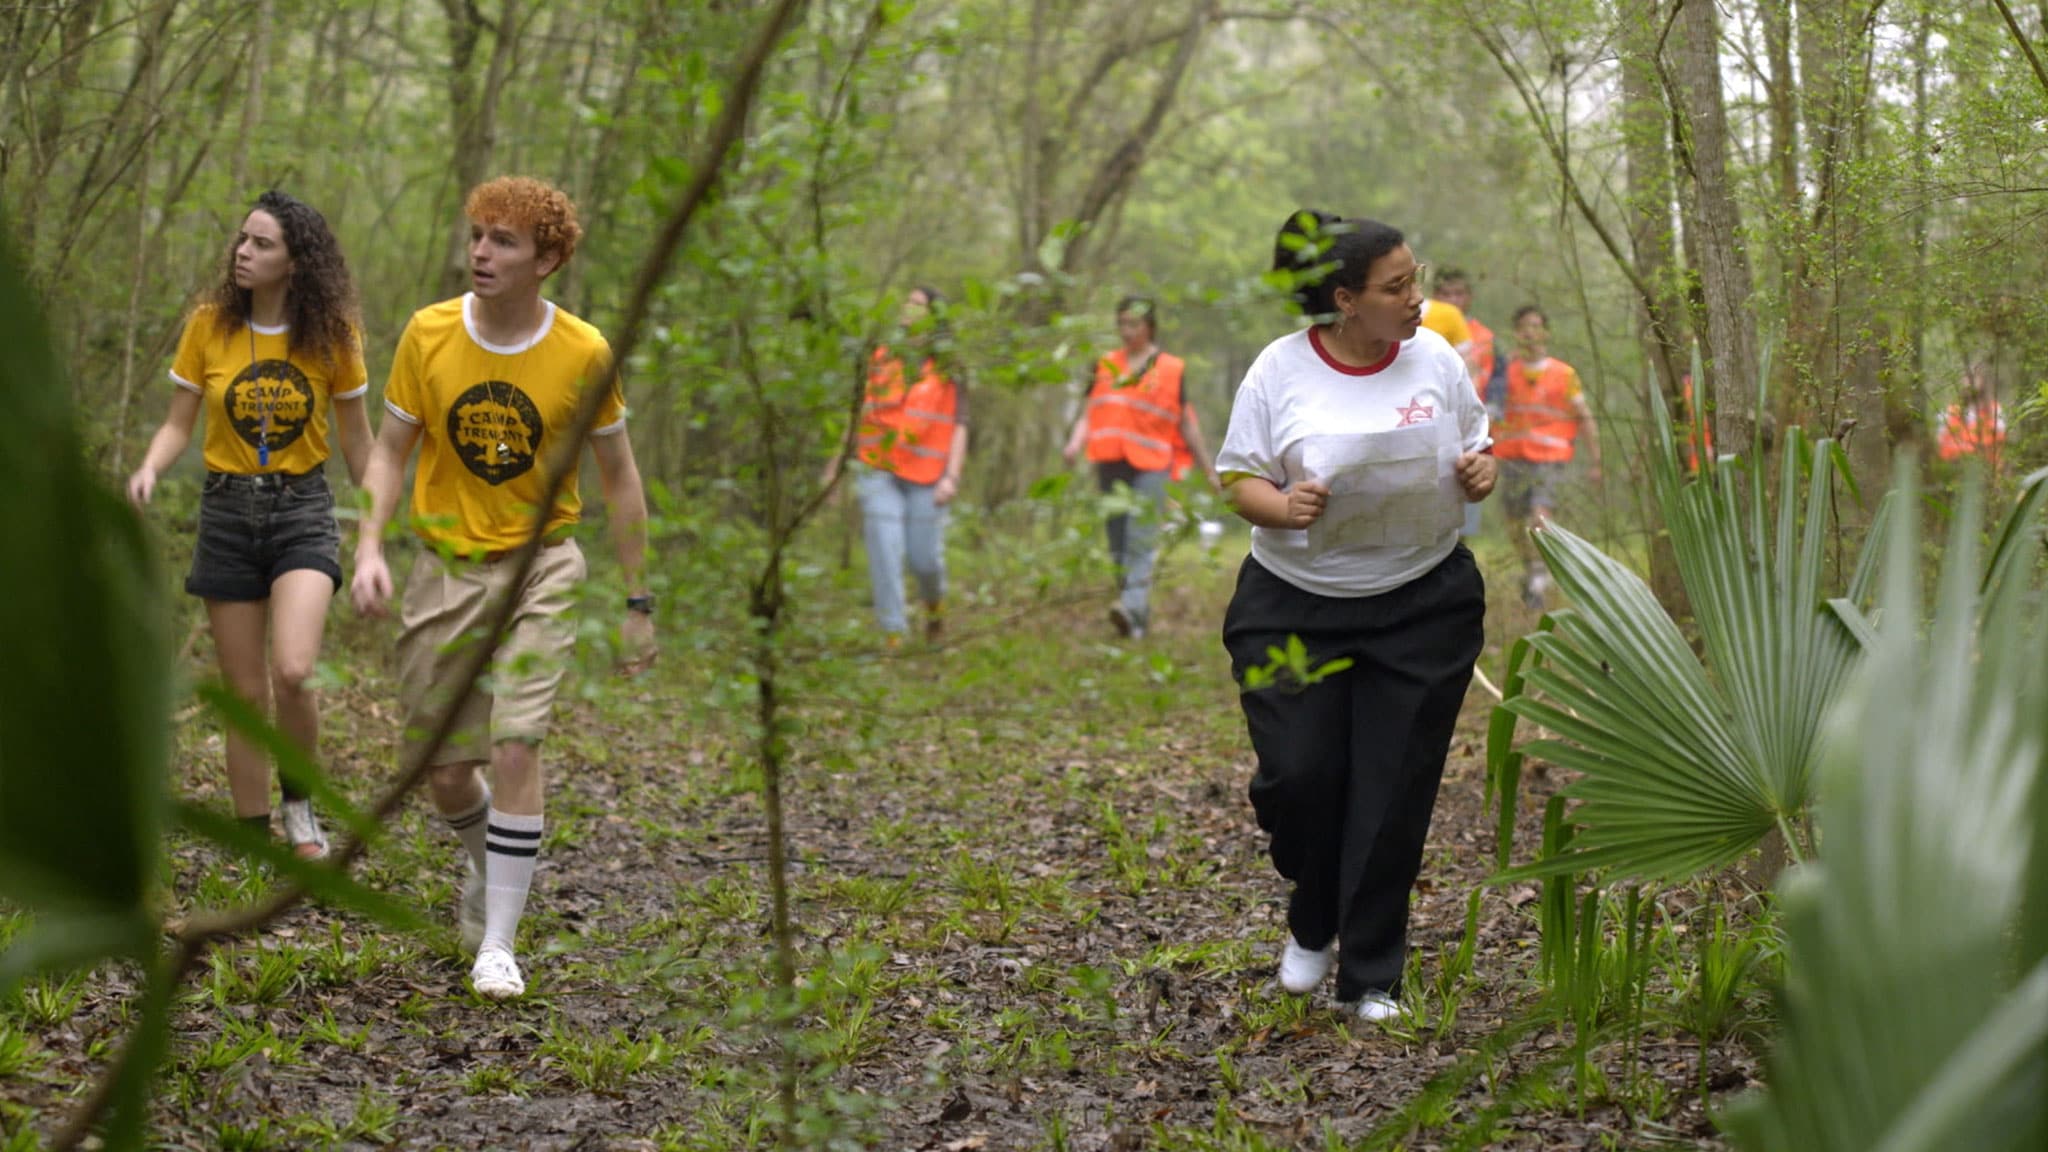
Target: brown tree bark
<point>74,30</point>
<point>1715,220</point>
<point>1646,140</point>
<point>473,110</point>
<point>252,100</point>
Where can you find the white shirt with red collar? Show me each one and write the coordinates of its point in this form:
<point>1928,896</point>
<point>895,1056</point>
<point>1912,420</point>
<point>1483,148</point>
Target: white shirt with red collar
<point>1384,438</point>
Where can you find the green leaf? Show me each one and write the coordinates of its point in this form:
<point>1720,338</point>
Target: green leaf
<point>85,705</point>
<point>1902,1026</point>
<point>319,879</point>
<point>1687,762</point>
<point>59,943</point>
<point>293,764</point>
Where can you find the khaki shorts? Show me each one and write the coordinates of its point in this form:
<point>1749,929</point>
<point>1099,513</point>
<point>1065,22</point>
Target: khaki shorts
<point>444,612</point>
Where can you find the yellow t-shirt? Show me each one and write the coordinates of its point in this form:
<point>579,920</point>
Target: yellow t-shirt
<point>489,417</point>
<point>1447,321</point>
<point>259,393</point>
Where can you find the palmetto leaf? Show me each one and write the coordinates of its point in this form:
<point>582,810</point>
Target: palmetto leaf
<point>1906,1025</point>
<point>1687,762</point>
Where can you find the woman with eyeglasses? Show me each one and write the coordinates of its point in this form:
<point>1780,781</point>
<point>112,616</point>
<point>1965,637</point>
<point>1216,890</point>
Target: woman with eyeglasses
<point>272,346</point>
<point>1353,446</point>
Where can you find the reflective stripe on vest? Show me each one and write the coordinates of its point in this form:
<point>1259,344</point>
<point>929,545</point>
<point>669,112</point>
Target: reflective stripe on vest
<point>1135,420</point>
<point>908,429</point>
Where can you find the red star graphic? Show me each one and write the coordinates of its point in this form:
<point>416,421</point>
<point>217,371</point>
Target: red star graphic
<point>1415,412</point>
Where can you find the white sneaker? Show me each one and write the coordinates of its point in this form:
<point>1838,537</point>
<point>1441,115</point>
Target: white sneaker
<point>470,921</point>
<point>495,976</point>
<point>1378,1008</point>
<point>1301,970</point>
<point>302,830</point>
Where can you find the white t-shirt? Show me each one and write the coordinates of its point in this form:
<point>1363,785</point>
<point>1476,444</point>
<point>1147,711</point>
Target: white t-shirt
<point>1385,439</point>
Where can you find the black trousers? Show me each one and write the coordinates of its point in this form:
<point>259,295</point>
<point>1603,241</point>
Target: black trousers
<point>1349,766</point>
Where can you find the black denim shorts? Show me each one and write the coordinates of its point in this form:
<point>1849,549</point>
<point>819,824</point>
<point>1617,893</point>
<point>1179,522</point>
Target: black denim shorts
<point>254,529</point>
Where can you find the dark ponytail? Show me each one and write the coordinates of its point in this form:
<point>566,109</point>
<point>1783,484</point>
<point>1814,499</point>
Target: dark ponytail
<point>1322,252</point>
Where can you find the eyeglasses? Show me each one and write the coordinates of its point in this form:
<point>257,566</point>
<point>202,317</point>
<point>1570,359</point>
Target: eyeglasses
<point>1400,287</point>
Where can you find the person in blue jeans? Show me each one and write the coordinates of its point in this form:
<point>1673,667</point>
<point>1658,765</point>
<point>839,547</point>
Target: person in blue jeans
<point>911,444</point>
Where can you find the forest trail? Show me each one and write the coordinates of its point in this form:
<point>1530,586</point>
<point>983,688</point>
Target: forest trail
<point>1034,912</point>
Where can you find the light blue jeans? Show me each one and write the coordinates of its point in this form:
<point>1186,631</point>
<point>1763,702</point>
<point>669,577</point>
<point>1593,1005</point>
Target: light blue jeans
<point>1134,540</point>
<point>899,522</point>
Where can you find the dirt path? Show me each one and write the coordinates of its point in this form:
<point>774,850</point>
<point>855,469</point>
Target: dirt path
<point>1035,914</point>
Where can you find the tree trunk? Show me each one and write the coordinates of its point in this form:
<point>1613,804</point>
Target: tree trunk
<point>1725,283</point>
<point>252,101</point>
<point>49,130</point>
<point>139,272</point>
<point>474,113</point>
<point>1646,140</point>
<point>1906,399</point>
<point>1119,170</point>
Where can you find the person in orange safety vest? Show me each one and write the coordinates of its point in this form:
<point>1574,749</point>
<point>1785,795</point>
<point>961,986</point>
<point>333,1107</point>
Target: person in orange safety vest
<point>1544,416</point>
<point>1974,425</point>
<point>1136,417</point>
<point>1452,293</point>
<point>910,444</point>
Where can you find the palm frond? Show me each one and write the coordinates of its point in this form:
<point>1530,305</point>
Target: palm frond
<point>1904,1025</point>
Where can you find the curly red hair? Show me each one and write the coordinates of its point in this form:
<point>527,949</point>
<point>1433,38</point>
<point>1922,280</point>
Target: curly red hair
<point>535,205</point>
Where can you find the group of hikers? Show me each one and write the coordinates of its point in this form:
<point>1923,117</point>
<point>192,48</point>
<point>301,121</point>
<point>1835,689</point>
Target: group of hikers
<point>1357,448</point>
<point>485,386</point>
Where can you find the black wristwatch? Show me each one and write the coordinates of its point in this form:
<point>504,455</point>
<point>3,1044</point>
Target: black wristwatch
<point>644,605</point>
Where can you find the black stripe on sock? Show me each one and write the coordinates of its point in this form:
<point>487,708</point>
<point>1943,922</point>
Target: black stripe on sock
<point>467,820</point>
<point>508,850</point>
<point>515,833</point>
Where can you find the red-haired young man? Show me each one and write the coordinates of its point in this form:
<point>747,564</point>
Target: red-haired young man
<point>487,385</point>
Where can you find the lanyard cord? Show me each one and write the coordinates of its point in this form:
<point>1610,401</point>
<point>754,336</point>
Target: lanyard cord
<point>256,381</point>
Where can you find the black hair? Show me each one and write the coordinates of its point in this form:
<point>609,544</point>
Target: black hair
<point>1325,252</point>
<point>1452,276</point>
<point>1529,310</point>
<point>1143,307</point>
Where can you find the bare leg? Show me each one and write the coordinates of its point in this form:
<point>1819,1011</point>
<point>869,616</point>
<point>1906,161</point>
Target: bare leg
<point>238,636</point>
<point>516,781</point>
<point>456,788</point>
<point>298,616</point>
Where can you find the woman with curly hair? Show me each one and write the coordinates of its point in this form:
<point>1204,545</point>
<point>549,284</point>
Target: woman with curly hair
<point>265,353</point>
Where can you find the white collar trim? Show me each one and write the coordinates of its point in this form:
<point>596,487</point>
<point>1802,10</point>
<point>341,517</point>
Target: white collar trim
<point>547,322</point>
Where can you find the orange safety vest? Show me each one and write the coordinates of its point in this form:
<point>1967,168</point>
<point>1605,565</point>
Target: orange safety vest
<point>908,428</point>
<point>1135,420</point>
<point>1699,430</point>
<point>1482,347</point>
<point>1539,425</point>
<point>1972,430</point>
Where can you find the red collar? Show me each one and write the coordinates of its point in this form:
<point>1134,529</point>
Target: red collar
<point>1315,338</point>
